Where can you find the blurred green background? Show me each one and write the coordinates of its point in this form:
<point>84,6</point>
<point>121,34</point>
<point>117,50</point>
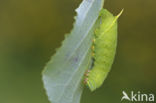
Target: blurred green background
<point>30,30</point>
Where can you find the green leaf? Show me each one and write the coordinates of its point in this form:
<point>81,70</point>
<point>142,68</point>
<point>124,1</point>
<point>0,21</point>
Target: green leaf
<point>63,75</point>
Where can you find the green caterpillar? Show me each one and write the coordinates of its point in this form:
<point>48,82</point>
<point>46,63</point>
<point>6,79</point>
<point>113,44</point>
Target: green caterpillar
<point>103,49</point>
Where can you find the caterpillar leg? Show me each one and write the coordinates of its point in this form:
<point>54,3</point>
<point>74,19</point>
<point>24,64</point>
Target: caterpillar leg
<point>86,76</point>
<point>85,81</point>
<point>93,48</point>
<point>93,54</point>
<point>89,81</point>
<point>94,40</point>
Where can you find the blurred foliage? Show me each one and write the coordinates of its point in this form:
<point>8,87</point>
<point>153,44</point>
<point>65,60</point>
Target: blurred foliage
<point>30,30</point>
